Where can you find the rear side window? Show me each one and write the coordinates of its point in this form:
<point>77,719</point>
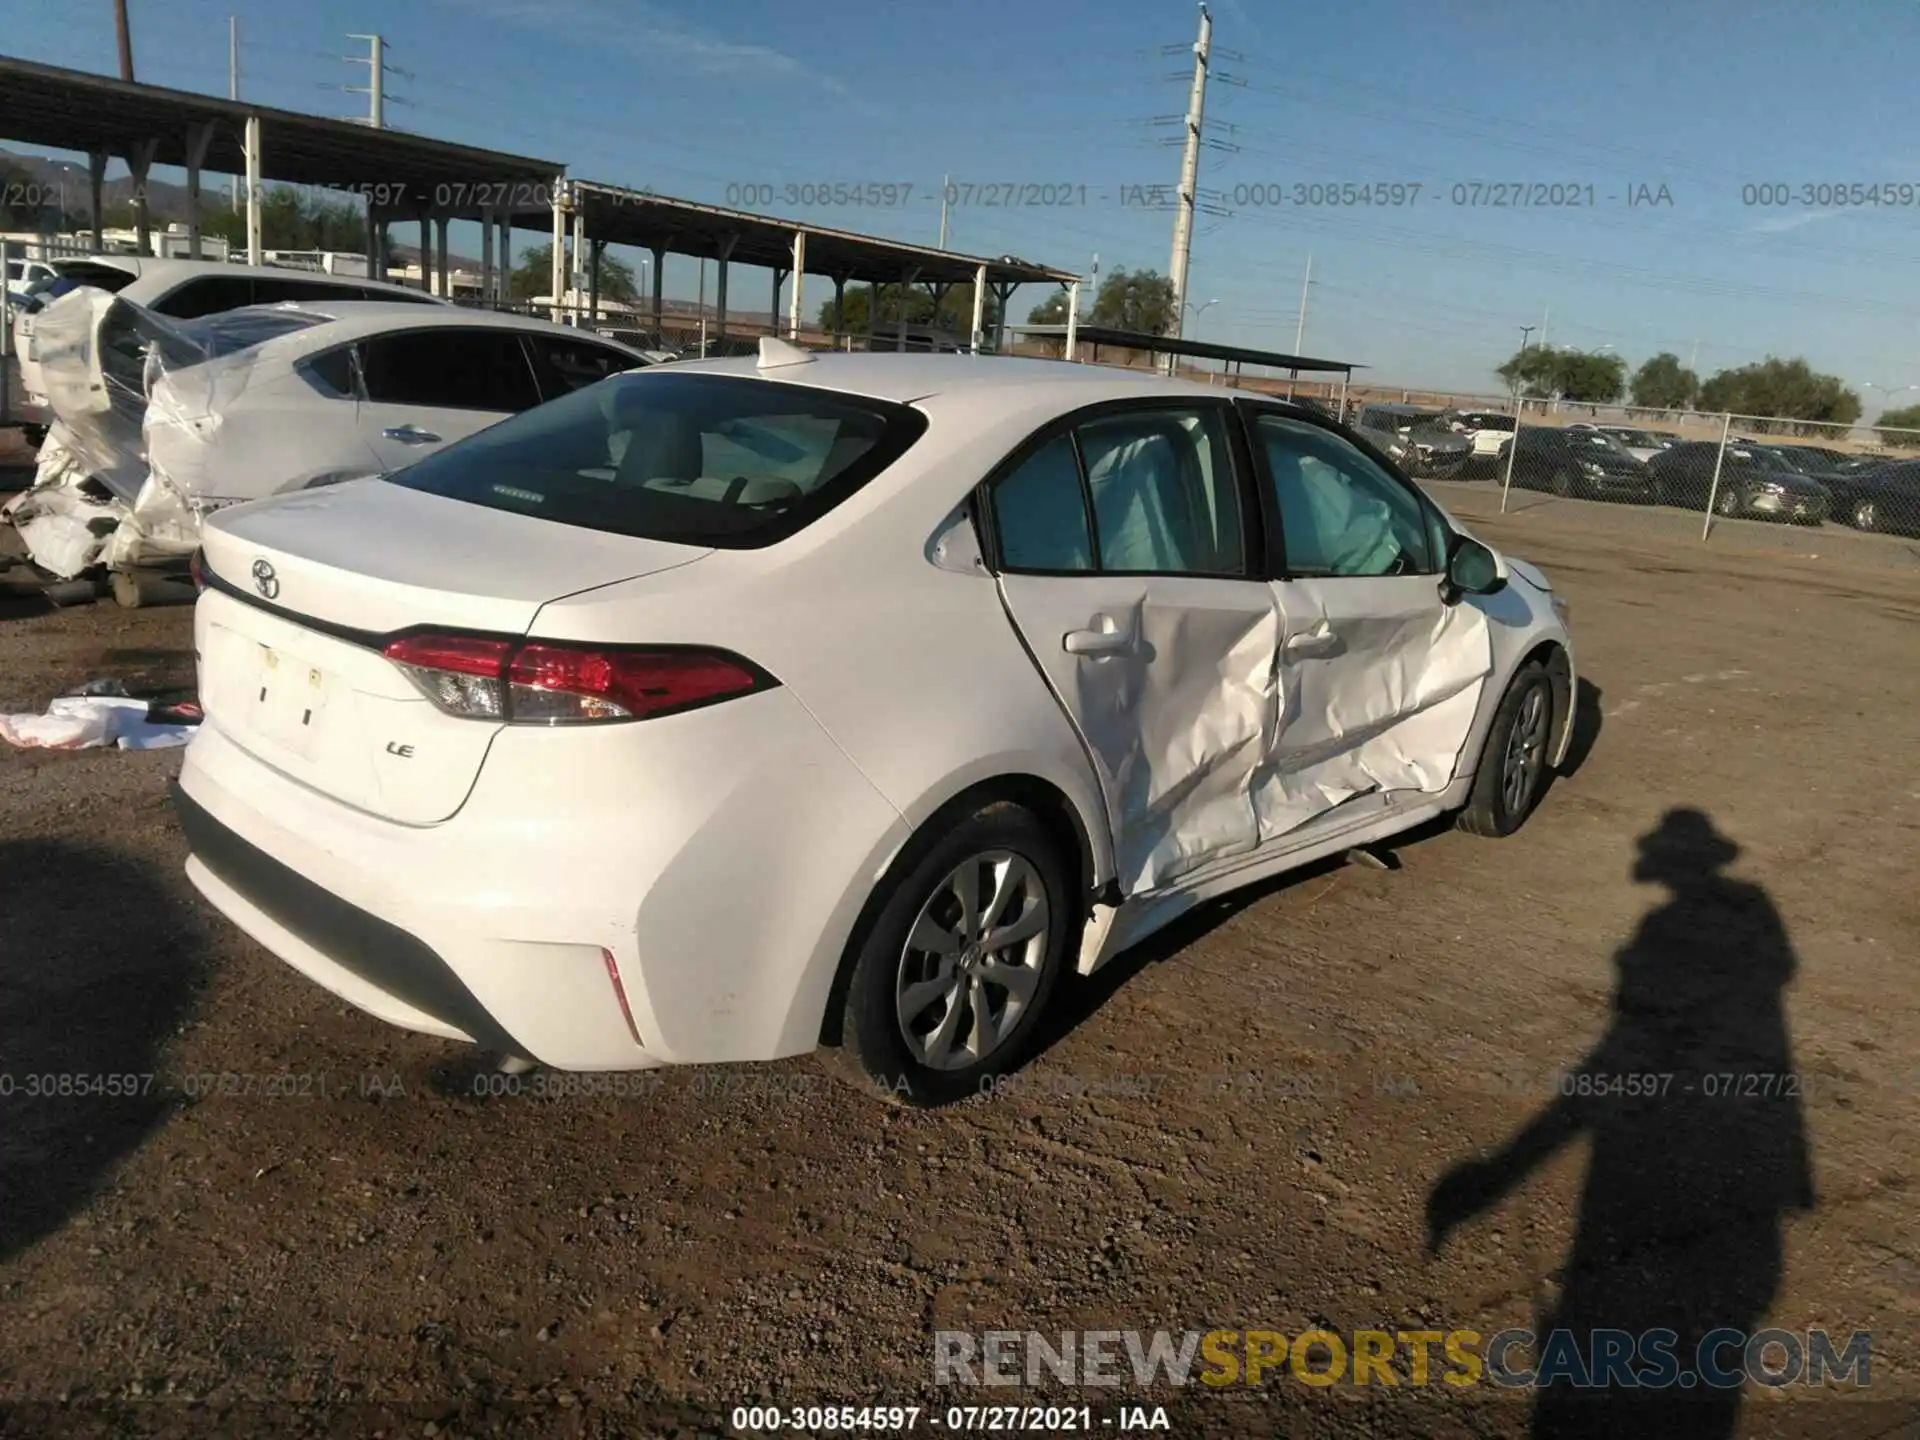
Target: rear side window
<point>395,294</point>
<point>272,290</point>
<point>208,295</point>
<point>565,365</point>
<point>697,459</point>
<point>450,368</point>
<point>1040,511</point>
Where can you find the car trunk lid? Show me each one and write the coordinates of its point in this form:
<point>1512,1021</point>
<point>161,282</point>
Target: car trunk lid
<point>307,587</point>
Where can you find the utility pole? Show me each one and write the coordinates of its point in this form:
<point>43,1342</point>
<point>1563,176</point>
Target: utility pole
<point>1525,331</point>
<point>126,39</point>
<point>1545,315</point>
<point>1694,363</point>
<point>233,90</point>
<point>1300,330</point>
<point>946,182</point>
<point>1189,180</point>
<point>376,62</point>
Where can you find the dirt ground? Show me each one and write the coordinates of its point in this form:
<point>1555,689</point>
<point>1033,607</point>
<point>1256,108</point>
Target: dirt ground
<point>405,1258</point>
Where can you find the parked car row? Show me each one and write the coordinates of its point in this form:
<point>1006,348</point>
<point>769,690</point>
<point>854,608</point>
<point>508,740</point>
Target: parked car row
<point>1419,441</point>
<point>1755,478</point>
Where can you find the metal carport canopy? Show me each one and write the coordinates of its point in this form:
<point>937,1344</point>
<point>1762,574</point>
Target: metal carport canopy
<point>618,216</point>
<point>72,110</point>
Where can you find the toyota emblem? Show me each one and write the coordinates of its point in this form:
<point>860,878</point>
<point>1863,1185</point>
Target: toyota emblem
<point>264,580</point>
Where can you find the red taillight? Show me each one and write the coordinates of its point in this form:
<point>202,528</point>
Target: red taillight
<point>545,683</point>
<point>197,568</point>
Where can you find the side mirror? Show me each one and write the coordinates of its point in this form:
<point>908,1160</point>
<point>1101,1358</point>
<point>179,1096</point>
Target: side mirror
<point>1472,569</point>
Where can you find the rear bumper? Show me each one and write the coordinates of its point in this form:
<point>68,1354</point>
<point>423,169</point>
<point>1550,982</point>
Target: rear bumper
<point>353,953</point>
<point>719,858</point>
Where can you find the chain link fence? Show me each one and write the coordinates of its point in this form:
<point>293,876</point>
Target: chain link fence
<point>1849,491</point>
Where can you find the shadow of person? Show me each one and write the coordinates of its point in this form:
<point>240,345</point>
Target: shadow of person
<point>96,973</point>
<point>1698,1147</point>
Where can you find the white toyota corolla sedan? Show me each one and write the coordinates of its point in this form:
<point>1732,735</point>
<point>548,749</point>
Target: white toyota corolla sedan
<point>724,710</point>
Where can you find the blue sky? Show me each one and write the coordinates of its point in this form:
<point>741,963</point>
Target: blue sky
<point>1702,98</point>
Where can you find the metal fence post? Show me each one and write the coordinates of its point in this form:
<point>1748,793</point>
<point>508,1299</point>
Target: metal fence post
<point>1513,448</point>
<point>1713,490</point>
<point>6,337</point>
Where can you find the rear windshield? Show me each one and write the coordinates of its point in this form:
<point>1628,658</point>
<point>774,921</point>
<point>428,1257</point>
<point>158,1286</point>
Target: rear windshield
<point>238,330</point>
<point>717,460</point>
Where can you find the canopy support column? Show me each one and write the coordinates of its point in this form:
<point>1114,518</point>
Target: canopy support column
<point>794,311</point>
<point>198,138</point>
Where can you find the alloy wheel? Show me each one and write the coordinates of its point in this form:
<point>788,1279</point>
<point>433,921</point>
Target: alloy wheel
<point>972,960</point>
<point>1526,751</point>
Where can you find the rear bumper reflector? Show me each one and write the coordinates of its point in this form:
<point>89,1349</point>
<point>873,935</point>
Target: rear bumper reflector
<point>620,994</point>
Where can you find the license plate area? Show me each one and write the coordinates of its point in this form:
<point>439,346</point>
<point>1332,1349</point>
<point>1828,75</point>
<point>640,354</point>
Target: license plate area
<point>288,700</point>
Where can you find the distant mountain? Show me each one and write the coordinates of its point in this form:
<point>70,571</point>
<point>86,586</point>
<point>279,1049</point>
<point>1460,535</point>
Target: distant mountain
<point>61,184</point>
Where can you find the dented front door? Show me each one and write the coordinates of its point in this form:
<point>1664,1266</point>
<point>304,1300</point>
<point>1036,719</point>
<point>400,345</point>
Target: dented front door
<point>1380,675</point>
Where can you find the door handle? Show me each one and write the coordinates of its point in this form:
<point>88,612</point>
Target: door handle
<point>411,435</point>
<point>1098,641</point>
<point>1311,642</point>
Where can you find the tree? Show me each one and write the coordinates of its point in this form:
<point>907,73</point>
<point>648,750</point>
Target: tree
<point>290,219</point>
<point>1531,371</point>
<point>1787,396</point>
<point>1542,372</point>
<point>1050,311</point>
<point>1590,379</point>
<point>533,277</point>
<point>1136,300</point>
<point>1663,384</point>
<point>1900,427</point>
<point>955,315</point>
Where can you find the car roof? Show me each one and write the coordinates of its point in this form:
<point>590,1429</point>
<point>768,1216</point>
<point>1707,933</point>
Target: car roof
<point>154,273</point>
<point>905,377</point>
<point>344,320</point>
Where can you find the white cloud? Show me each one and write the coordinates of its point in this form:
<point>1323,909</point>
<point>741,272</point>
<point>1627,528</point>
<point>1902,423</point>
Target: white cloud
<point>1780,224</point>
<point>646,32</point>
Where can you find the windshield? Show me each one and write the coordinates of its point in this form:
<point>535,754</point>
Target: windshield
<point>697,459</point>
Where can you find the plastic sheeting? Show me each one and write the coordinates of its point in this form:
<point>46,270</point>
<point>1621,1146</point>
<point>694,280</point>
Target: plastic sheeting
<point>136,399</point>
<point>87,722</point>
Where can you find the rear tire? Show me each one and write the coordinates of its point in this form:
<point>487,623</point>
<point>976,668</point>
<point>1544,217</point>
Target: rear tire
<point>933,1011</point>
<point>1513,765</point>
